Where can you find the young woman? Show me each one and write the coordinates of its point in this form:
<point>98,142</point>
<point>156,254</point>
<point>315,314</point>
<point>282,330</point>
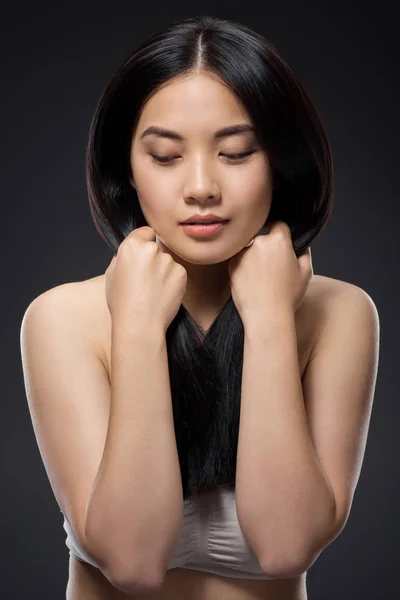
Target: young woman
<point>202,408</point>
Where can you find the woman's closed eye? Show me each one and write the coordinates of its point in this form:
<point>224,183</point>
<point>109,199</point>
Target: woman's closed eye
<point>230,157</point>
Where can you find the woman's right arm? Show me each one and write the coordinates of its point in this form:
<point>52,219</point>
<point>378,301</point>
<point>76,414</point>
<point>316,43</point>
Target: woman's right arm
<point>134,511</point>
<point>109,451</point>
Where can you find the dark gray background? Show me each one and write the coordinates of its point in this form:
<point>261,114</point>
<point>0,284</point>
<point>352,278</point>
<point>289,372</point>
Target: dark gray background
<point>55,61</point>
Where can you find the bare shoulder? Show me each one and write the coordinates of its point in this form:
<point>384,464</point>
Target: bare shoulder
<point>324,292</point>
<point>84,301</point>
<point>329,298</point>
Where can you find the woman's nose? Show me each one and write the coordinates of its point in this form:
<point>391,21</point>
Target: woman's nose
<point>200,181</point>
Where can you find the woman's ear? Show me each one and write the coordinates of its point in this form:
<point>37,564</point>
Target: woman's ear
<point>132,182</point>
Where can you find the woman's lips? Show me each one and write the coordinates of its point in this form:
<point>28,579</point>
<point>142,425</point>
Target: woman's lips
<point>203,229</point>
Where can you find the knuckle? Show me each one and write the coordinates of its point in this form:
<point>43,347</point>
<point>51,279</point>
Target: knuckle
<point>124,246</point>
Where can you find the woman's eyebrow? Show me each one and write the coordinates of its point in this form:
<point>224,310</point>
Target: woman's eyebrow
<point>220,133</point>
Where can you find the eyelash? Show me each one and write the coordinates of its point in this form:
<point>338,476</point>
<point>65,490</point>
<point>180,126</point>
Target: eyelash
<point>163,160</point>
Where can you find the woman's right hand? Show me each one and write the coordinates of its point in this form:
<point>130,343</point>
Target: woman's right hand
<point>143,284</point>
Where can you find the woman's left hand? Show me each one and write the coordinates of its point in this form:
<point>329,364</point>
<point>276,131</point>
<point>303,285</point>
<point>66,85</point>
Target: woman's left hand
<point>268,278</point>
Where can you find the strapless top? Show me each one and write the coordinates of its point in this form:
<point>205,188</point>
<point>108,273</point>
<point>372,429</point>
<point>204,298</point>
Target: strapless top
<point>210,538</point>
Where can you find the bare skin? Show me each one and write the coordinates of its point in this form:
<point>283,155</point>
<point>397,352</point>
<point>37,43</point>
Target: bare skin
<point>202,178</point>
<point>87,582</point>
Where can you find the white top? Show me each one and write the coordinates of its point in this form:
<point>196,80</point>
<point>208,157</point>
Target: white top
<point>210,539</point>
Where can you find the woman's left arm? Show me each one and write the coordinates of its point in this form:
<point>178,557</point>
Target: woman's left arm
<point>302,442</point>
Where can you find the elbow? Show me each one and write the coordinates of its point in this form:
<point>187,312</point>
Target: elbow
<point>295,565</point>
<point>300,558</point>
<point>144,580</point>
<point>136,586</point>
<point>138,575</point>
<point>287,567</point>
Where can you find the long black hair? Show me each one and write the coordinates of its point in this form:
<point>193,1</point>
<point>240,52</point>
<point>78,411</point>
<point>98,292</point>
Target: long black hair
<point>205,368</point>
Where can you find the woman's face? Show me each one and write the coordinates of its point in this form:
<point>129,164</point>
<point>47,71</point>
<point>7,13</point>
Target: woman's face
<point>200,178</point>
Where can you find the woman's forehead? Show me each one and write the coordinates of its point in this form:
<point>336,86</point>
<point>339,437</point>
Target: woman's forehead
<point>199,97</point>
